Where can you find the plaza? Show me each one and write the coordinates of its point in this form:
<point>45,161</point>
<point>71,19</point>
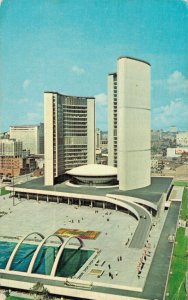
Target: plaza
<point>113,271</point>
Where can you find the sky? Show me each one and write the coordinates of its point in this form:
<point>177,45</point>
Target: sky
<point>70,46</point>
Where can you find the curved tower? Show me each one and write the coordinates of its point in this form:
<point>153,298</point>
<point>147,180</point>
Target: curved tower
<point>69,130</point>
<point>133,130</point>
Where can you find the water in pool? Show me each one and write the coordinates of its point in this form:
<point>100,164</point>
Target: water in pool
<point>71,259</point>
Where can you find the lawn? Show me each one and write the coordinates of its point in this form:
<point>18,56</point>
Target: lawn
<point>184,206</point>
<point>3,191</point>
<point>179,266</point>
<point>176,283</point>
<point>181,183</point>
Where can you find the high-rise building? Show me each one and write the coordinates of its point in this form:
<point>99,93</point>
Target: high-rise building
<point>10,147</point>
<point>32,137</point>
<point>69,126</point>
<point>129,122</point>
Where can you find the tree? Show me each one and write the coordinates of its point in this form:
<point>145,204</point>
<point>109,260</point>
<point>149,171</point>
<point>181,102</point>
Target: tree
<point>40,292</point>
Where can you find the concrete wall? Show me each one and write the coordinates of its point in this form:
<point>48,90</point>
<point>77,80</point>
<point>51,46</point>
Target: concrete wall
<point>133,123</point>
<point>90,131</point>
<point>48,140</point>
<point>110,120</point>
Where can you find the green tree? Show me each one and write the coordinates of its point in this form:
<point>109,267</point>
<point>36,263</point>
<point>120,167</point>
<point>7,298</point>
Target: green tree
<point>40,292</point>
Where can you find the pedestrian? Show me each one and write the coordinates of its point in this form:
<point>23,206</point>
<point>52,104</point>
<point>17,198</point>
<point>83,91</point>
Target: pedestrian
<point>109,266</point>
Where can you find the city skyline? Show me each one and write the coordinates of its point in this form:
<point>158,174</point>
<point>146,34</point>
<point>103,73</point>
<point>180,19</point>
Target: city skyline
<point>72,46</point>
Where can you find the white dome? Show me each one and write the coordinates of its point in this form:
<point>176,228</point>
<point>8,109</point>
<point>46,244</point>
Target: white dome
<point>93,170</point>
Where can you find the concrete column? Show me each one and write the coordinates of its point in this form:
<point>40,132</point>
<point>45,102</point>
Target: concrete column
<point>47,198</point>
<point>91,204</point>
<point>68,201</point>
<point>19,196</point>
<point>80,203</point>
<point>116,207</point>
<point>37,197</point>
<point>57,199</point>
<point>27,196</point>
<point>103,205</point>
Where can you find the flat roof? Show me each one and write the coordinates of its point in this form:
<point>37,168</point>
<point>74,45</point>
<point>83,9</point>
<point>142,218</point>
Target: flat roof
<point>113,73</point>
<point>152,193</point>
<point>51,92</point>
<point>26,126</point>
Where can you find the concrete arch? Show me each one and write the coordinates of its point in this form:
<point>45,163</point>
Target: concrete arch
<point>32,262</point>
<point>11,258</point>
<point>55,265</point>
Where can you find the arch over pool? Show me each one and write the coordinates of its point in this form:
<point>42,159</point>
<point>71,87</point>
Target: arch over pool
<point>32,262</point>
<point>60,252</point>
<point>11,258</point>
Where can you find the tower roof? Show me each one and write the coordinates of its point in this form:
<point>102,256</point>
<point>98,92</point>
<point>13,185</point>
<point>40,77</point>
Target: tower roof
<point>133,58</point>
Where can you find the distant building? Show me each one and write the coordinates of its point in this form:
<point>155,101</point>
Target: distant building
<point>155,135</point>
<point>171,153</point>
<point>98,138</point>
<point>13,166</point>
<point>31,164</point>
<point>69,133</point>
<point>182,139</point>
<point>101,140</point>
<point>10,147</point>
<point>4,135</point>
<point>129,122</point>
<point>104,142</point>
<point>173,129</point>
<point>32,137</point>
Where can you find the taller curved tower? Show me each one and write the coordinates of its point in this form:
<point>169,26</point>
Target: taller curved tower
<point>133,123</point>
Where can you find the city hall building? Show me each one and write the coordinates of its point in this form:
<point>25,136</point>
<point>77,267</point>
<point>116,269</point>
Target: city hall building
<point>124,187</point>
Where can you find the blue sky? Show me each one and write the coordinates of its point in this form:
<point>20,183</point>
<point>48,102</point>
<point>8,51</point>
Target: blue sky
<point>70,46</point>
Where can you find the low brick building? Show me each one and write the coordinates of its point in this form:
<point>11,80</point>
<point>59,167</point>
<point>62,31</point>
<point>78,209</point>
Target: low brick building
<point>13,166</point>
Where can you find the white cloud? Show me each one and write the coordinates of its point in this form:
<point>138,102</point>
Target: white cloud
<point>23,100</point>
<point>32,116</point>
<point>177,82</point>
<point>1,1</point>
<point>101,99</point>
<point>185,1</point>
<point>26,83</point>
<point>176,112</point>
<point>77,70</point>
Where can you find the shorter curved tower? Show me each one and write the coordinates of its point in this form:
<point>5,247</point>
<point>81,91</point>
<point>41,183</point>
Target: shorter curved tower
<point>133,128</point>
<point>69,134</point>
